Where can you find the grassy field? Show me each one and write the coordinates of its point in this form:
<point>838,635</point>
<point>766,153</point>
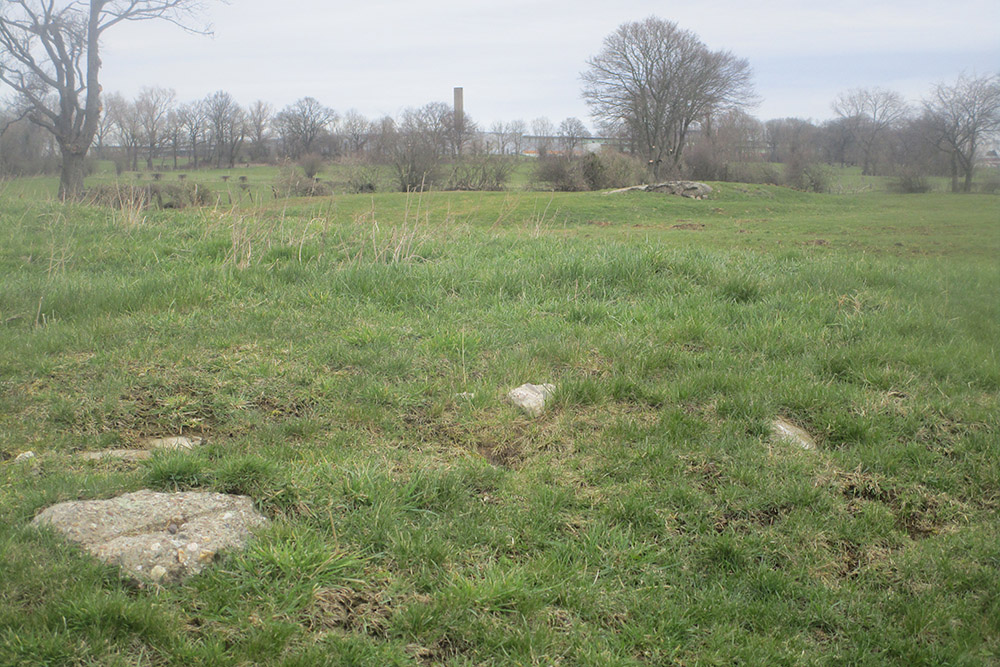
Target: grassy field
<point>646,518</point>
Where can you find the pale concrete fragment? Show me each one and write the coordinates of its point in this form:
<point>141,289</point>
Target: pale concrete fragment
<point>531,397</point>
<point>782,429</point>
<point>159,536</point>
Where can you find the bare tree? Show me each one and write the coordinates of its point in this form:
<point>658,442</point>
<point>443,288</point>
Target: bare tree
<point>259,118</point>
<point>572,132</point>
<point>963,115</point>
<point>870,114</point>
<point>500,138</point>
<point>125,120</point>
<point>656,80</point>
<point>356,130</point>
<point>227,125</point>
<point>50,56</point>
<point>301,124</point>
<point>543,129</point>
<point>192,119</point>
<point>153,107</point>
<point>516,129</point>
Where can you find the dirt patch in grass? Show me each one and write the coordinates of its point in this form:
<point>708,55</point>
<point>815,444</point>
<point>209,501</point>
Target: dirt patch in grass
<point>748,521</point>
<point>695,226</point>
<point>917,512</point>
<point>347,610</point>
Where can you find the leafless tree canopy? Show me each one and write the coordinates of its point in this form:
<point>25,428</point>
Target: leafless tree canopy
<point>655,80</point>
<point>869,114</point>
<point>302,123</point>
<point>50,57</point>
<point>963,115</point>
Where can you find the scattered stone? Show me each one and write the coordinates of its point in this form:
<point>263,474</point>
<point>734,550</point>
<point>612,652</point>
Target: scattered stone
<point>24,457</point>
<point>690,189</point>
<point>531,397</point>
<point>467,395</point>
<point>782,429</point>
<point>157,536</point>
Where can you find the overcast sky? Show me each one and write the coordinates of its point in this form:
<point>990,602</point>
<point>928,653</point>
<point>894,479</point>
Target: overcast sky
<point>522,59</point>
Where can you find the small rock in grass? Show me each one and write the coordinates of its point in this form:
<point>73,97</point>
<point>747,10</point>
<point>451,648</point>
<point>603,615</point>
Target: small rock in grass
<point>782,429</point>
<point>24,457</point>
<point>158,536</point>
<point>531,397</point>
<point>467,395</point>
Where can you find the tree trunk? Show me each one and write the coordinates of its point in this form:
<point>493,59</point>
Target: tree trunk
<point>71,176</point>
<point>954,173</point>
<point>967,186</point>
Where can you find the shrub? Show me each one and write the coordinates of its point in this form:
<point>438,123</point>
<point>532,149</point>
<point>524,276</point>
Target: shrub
<point>312,164</point>
<point>560,173</point>
<point>292,183</point>
<point>909,182</point>
<point>808,177</point>
<point>612,169</point>
<point>159,195</point>
<point>484,172</point>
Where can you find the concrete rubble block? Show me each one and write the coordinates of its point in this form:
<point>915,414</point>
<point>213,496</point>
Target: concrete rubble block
<point>531,397</point>
<point>156,536</point>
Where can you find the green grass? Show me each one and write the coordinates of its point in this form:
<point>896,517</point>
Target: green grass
<point>644,519</point>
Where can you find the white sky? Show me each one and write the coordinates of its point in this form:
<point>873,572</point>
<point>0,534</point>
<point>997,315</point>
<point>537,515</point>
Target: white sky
<point>522,59</point>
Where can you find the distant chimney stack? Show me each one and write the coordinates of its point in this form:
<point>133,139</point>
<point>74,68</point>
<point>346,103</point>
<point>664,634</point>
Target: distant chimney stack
<point>459,115</point>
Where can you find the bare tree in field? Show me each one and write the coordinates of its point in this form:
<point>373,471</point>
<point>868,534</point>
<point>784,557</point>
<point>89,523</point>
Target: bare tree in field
<point>356,130</point>
<point>963,115</point>
<point>153,107</point>
<point>501,139</point>
<point>259,118</point>
<point>516,129</point>
<point>656,80</point>
<point>192,119</point>
<point>543,129</point>
<point>125,121</point>
<point>301,124</point>
<point>227,126</point>
<point>572,132</point>
<point>870,114</point>
<point>50,57</point>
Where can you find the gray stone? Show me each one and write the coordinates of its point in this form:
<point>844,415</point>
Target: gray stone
<point>467,395</point>
<point>531,397</point>
<point>782,429</point>
<point>157,536</point>
<point>24,457</point>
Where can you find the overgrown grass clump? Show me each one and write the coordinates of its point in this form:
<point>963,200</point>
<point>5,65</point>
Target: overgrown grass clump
<point>646,518</point>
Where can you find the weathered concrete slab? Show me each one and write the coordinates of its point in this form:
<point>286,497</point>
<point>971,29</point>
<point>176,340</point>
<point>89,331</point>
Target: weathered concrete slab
<point>156,536</point>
